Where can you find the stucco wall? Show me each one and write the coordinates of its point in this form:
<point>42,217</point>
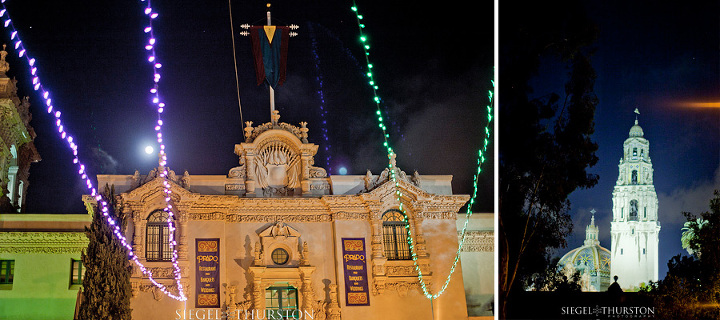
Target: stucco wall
<point>41,287</point>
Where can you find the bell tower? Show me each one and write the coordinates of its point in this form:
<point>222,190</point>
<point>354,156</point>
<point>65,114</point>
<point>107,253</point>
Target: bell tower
<point>635,226</point>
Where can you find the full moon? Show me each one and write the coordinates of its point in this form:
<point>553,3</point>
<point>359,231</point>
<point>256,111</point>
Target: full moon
<point>149,149</point>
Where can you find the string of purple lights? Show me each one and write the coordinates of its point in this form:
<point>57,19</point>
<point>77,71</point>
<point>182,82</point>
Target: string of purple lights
<point>162,155</point>
<point>65,135</point>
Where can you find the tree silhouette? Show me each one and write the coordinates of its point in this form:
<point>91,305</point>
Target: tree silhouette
<point>106,283</point>
<point>691,289</point>
<point>544,139</point>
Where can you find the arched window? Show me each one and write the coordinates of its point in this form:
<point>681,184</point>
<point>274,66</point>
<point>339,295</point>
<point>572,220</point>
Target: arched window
<point>633,216</point>
<point>157,239</point>
<point>12,177</point>
<point>395,236</point>
<point>634,179</point>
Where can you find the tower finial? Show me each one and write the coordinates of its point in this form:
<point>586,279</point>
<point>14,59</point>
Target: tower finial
<point>637,112</point>
<point>4,66</point>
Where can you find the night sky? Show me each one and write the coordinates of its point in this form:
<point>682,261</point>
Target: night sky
<point>433,65</point>
<point>659,57</point>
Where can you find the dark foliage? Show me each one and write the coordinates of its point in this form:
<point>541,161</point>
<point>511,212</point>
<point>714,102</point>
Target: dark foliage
<point>106,284</point>
<point>545,143</point>
<point>691,289</point>
<point>554,279</point>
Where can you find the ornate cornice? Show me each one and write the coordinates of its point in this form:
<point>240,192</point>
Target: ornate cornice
<point>42,242</point>
<point>478,241</point>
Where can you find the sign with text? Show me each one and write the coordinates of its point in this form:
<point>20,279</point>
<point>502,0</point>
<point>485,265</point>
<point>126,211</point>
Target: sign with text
<point>355,266</point>
<point>207,273</point>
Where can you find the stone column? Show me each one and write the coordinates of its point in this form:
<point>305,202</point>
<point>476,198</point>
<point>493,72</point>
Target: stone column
<point>138,238</point>
<point>306,160</point>
<point>258,302</point>
<point>250,176</point>
<point>181,234</point>
<point>417,232</point>
<point>334,308</point>
<point>308,294</point>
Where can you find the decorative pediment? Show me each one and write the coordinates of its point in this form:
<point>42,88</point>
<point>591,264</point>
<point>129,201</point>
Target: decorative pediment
<point>252,133</point>
<point>279,230</point>
<point>417,200</point>
<point>280,236</point>
<point>139,180</point>
<point>372,182</point>
<point>152,192</point>
<point>277,160</point>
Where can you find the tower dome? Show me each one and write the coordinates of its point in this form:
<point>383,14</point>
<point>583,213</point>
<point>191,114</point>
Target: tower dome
<point>591,260</point>
<point>636,130</point>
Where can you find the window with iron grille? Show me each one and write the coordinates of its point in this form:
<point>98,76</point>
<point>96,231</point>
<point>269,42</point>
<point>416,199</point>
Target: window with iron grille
<point>7,271</point>
<point>77,272</point>
<point>157,239</point>
<point>395,236</point>
<point>280,256</point>
<point>281,299</point>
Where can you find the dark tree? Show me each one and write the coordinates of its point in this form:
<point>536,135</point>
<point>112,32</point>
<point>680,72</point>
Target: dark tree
<point>554,279</point>
<point>691,288</point>
<point>545,144</point>
<point>106,283</point>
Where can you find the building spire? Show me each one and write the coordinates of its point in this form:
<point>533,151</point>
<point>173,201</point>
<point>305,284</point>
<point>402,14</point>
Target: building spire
<point>591,232</point>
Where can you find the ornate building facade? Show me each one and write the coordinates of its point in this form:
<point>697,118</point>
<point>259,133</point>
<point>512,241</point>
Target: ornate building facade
<point>17,150</point>
<point>40,269</point>
<point>635,226</point>
<point>280,230</point>
<point>591,260</point>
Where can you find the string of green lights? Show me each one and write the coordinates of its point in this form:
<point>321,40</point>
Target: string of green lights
<point>391,166</point>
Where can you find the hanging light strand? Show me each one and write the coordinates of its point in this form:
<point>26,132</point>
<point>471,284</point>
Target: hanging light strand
<point>391,165</point>
<point>468,212</point>
<point>64,134</point>
<point>163,172</point>
<point>371,81</point>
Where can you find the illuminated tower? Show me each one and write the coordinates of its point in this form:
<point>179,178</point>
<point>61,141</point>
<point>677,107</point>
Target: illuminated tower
<point>635,226</point>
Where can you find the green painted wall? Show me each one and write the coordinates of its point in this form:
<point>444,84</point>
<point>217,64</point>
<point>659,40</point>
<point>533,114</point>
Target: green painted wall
<point>41,288</point>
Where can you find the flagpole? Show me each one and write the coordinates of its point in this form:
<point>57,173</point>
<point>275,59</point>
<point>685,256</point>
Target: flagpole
<point>272,91</point>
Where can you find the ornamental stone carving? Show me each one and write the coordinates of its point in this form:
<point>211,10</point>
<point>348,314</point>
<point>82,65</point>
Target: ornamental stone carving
<point>277,161</point>
<point>280,236</point>
<point>478,241</point>
<point>43,242</point>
